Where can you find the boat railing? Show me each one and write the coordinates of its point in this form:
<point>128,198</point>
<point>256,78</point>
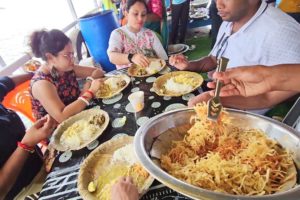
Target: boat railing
<point>70,29</point>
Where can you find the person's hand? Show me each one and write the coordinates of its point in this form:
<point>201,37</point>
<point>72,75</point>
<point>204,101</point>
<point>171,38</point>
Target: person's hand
<point>203,97</point>
<point>179,61</point>
<point>95,85</point>
<point>243,81</point>
<point>40,130</point>
<point>98,73</point>
<point>124,189</point>
<point>140,60</point>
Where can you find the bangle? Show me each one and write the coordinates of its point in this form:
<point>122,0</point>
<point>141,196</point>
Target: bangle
<point>25,147</point>
<point>89,78</point>
<point>91,93</point>
<point>85,97</point>
<point>84,100</point>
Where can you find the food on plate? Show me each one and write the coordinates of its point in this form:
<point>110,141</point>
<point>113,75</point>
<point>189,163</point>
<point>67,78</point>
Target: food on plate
<point>107,164</point>
<point>222,157</point>
<point>92,187</point>
<point>123,163</point>
<point>180,84</point>
<point>177,83</point>
<point>49,157</point>
<point>113,86</point>
<point>155,66</point>
<point>31,66</point>
<point>81,131</point>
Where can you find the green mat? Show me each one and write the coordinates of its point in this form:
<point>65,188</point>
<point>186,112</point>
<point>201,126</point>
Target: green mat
<point>202,47</point>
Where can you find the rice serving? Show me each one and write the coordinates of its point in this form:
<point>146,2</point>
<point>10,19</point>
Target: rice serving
<point>155,66</point>
<point>113,83</point>
<point>81,131</point>
<point>172,86</point>
<point>125,154</point>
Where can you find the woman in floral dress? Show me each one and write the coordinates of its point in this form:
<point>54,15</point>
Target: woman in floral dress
<point>54,88</point>
<point>133,43</point>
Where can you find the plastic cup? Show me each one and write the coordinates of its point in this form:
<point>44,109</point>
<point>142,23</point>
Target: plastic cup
<point>137,100</point>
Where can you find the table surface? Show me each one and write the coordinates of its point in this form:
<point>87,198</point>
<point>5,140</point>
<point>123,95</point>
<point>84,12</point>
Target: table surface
<point>61,182</point>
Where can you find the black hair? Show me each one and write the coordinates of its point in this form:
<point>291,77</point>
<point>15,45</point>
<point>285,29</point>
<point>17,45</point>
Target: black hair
<point>132,2</point>
<point>43,41</point>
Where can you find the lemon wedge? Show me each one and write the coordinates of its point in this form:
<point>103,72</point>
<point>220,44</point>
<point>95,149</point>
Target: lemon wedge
<point>92,187</point>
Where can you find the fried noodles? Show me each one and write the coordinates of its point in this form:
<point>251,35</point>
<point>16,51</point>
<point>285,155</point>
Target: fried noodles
<point>221,157</point>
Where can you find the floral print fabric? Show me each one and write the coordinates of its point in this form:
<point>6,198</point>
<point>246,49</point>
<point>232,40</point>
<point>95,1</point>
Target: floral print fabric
<point>144,42</point>
<point>67,89</point>
<point>155,6</point>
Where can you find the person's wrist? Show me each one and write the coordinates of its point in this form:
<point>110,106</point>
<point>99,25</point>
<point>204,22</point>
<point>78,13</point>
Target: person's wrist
<point>25,146</point>
<point>89,79</point>
<point>130,57</point>
<point>90,92</point>
<point>84,100</point>
<point>27,141</point>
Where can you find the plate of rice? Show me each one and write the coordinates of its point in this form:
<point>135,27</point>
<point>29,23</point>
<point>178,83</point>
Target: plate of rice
<point>177,83</point>
<point>107,164</point>
<point>113,86</point>
<point>155,66</point>
<point>79,130</point>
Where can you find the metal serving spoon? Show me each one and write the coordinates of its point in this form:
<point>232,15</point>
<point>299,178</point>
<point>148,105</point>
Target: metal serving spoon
<point>214,104</point>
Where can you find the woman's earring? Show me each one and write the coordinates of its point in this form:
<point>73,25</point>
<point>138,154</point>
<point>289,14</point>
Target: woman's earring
<point>54,73</point>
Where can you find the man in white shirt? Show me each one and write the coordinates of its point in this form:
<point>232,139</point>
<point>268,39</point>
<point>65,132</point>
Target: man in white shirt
<point>252,33</point>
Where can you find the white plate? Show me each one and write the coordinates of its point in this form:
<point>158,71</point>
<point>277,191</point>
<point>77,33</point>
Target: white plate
<point>185,49</point>
<point>175,48</point>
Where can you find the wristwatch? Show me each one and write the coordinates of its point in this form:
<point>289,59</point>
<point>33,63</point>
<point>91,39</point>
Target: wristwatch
<point>130,57</point>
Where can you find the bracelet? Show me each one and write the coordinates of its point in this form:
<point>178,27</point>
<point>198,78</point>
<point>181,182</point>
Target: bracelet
<point>25,147</point>
<point>91,93</point>
<point>84,100</point>
<point>85,97</point>
<point>89,78</point>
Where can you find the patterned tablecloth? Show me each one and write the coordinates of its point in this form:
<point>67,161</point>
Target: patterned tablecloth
<point>61,183</point>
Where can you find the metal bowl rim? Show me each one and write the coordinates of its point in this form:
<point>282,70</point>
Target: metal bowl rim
<point>164,176</point>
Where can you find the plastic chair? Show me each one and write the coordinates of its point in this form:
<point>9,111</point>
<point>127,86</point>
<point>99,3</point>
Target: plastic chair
<point>19,100</point>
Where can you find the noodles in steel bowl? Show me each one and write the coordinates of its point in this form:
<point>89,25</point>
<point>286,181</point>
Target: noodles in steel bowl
<point>224,158</point>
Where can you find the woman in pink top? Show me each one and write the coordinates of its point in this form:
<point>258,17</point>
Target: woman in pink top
<point>133,43</point>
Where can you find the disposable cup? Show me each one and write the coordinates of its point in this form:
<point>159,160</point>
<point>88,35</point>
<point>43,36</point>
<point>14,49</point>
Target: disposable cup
<point>137,100</point>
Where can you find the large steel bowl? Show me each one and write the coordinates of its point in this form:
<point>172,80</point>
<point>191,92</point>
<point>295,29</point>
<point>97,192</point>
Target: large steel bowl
<point>147,134</point>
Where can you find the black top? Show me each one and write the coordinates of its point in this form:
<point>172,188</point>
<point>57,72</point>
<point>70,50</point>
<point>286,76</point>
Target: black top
<point>12,131</point>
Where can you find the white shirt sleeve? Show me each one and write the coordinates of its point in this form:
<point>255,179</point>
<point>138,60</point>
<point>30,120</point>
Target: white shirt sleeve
<point>158,48</point>
<point>115,43</point>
